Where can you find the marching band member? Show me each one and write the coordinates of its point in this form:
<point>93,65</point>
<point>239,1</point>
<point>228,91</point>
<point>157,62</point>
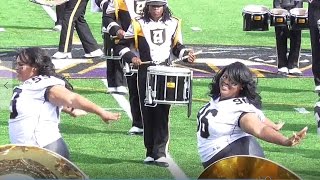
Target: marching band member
<point>313,17</point>
<point>288,64</point>
<point>74,18</point>
<point>116,19</point>
<point>49,93</point>
<point>155,35</point>
<point>230,121</point>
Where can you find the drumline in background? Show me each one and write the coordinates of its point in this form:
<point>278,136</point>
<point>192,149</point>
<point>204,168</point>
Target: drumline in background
<point>258,18</point>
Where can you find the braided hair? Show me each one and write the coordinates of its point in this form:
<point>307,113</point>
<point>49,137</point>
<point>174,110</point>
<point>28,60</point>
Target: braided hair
<point>39,58</point>
<point>167,14</point>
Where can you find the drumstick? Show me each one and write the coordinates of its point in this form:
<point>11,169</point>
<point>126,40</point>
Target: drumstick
<point>186,57</point>
<point>176,60</point>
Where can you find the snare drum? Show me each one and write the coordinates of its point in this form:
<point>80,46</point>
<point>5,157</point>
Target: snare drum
<point>279,17</point>
<point>255,18</point>
<point>31,162</point>
<point>168,85</point>
<point>299,19</point>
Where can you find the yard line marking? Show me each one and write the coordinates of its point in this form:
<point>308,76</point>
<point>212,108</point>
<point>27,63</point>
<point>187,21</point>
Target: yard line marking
<point>175,169</point>
<point>113,109</point>
<point>121,99</point>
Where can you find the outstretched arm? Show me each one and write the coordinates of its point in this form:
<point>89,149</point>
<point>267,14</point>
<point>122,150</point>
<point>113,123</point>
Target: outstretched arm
<point>251,124</point>
<point>275,126</point>
<point>74,112</point>
<point>61,96</point>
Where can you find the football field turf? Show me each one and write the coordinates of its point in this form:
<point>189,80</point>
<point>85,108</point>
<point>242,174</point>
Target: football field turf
<point>105,151</point>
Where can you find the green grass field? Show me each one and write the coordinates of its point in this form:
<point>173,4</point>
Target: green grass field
<point>106,152</point>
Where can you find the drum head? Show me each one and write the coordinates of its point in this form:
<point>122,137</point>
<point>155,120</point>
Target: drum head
<point>278,11</point>
<point>299,12</point>
<point>246,167</point>
<point>168,69</point>
<point>255,9</point>
<point>31,162</point>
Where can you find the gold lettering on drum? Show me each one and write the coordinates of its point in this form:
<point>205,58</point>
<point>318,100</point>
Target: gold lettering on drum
<point>301,21</point>
<point>171,85</point>
<point>279,20</point>
<point>257,18</point>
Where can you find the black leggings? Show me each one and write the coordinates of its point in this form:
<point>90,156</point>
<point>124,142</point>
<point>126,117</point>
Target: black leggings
<point>59,147</point>
<point>247,145</point>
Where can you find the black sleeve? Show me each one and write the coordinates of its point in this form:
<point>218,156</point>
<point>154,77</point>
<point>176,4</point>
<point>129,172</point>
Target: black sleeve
<point>46,93</point>
<point>107,19</point>
<point>125,43</point>
<point>241,117</point>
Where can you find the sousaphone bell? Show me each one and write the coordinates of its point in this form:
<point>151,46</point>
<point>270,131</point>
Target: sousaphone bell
<point>246,167</point>
<point>31,162</point>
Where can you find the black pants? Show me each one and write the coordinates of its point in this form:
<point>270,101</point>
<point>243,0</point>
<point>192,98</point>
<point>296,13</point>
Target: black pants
<point>115,75</point>
<point>60,14</point>
<point>74,18</point>
<point>132,82</point>
<point>282,35</point>
<point>314,16</point>
<point>59,147</point>
<point>155,121</point>
<point>247,145</point>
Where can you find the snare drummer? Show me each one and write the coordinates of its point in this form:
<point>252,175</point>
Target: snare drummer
<point>288,64</point>
<point>156,34</point>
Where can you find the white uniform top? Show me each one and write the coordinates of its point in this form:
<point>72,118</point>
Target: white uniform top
<point>33,119</point>
<point>159,36</point>
<point>218,125</point>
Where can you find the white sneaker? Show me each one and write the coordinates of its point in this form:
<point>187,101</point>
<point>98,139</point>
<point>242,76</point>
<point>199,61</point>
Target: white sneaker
<point>135,131</point>
<point>317,89</point>
<point>62,55</point>
<point>122,89</point>
<point>162,162</point>
<point>148,160</point>
<point>57,27</point>
<point>295,71</point>
<point>96,53</point>
<point>111,90</point>
<point>283,71</point>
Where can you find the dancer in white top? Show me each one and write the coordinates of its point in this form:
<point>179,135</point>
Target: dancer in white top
<point>36,104</point>
<point>229,123</point>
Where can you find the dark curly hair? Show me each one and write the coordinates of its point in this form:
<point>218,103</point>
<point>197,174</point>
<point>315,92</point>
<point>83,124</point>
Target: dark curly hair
<point>241,74</point>
<point>39,58</point>
<point>165,16</point>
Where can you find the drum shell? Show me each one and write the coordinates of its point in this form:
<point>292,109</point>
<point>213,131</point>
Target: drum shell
<point>299,21</point>
<point>255,18</point>
<point>169,87</point>
<point>279,17</point>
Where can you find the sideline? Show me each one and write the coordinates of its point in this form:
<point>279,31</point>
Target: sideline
<point>174,169</point>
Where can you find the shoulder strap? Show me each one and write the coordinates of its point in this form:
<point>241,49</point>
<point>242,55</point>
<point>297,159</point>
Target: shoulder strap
<point>137,31</point>
<point>177,32</point>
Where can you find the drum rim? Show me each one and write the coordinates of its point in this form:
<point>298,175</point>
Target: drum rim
<point>292,12</point>
<point>246,9</point>
<point>168,69</point>
<point>279,9</point>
